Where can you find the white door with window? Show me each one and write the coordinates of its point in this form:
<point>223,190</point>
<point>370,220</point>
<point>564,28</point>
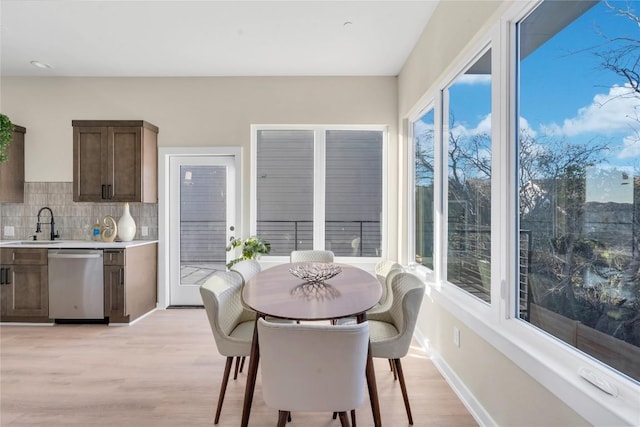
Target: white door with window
<point>202,219</point>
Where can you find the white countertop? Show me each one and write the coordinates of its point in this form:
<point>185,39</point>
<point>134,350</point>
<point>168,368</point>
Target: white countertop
<point>72,244</point>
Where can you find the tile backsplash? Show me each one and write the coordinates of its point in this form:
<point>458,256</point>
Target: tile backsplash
<point>74,221</point>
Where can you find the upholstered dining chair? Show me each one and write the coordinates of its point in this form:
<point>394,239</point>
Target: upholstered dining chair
<point>386,269</point>
<point>313,367</point>
<point>392,330</point>
<point>231,323</point>
<point>311,256</point>
<point>246,268</point>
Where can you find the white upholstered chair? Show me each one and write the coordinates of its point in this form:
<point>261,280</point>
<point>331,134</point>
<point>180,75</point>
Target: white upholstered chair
<point>313,367</point>
<point>311,256</point>
<point>231,323</point>
<point>384,271</point>
<point>246,268</point>
<point>392,330</point>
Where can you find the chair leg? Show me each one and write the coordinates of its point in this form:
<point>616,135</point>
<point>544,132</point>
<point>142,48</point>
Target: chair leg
<point>235,373</point>
<point>393,369</point>
<point>403,387</point>
<point>282,418</point>
<point>353,418</point>
<point>223,387</point>
<point>242,363</point>
<point>344,420</point>
<point>335,415</point>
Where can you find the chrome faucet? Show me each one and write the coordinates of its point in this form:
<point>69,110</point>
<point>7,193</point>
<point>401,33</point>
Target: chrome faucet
<point>53,224</point>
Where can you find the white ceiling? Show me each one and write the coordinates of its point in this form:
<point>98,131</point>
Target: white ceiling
<point>209,38</point>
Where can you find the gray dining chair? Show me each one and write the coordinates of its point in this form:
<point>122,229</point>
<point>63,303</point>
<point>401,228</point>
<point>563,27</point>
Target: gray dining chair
<point>231,323</point>
<point>312,256</point>
<point>392,330</point>
<point>313,367</point>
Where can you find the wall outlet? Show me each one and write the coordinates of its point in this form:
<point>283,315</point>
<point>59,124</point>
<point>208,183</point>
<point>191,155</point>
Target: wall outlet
<point>144,231</point>
<point>9,231</point>
<point>456,337</point>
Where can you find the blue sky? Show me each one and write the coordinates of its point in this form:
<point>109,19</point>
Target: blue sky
<point>566,94</point>
<point>565,90</point>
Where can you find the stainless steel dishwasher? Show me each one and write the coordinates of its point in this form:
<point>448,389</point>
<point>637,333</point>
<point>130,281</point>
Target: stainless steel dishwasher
<point>76,289</point>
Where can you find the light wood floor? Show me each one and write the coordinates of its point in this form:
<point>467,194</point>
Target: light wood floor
<point>165,371</point>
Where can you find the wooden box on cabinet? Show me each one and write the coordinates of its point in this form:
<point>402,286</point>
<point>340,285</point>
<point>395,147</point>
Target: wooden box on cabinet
<point>12,171</point>
<point>130,282</point>
<point>24,285</point>
<point>115,161</point>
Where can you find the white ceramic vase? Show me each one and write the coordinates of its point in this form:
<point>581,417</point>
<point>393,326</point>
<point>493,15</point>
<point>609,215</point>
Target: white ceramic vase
<point>126,225</point>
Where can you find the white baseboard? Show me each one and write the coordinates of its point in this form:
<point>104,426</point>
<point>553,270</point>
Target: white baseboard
<point>477,411</point>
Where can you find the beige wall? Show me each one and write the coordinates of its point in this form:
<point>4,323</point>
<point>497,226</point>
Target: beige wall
<point>508,394</point>
<point>206,111</point>
<point>188,111</point>
<point>452,28</point>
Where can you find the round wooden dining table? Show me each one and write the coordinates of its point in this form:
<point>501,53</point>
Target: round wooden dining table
<point>276,292</point>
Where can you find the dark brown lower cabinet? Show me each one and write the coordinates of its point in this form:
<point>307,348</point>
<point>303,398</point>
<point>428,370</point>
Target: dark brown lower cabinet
<point>24,285</point>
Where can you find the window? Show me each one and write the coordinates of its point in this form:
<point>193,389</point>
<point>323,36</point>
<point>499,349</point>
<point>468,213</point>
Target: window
<point>423,146</point>
<point>284,189</point>
<point>467,132</point>
<point>579,177</point>
<point>320,188</point>
<point>353,192</point>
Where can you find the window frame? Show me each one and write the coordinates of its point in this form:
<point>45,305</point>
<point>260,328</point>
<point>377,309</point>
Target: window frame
<point>551,362</point>
<point>411,184</point>
<point>319,164</point>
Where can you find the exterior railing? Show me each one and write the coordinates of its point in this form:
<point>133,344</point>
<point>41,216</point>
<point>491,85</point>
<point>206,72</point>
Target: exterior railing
<point>344,238</point>
<point>200,240</point>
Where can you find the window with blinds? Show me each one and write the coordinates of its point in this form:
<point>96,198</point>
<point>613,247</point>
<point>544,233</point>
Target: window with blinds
<point>320,188</point>
<point>353,192</point>
<point>284,189</point>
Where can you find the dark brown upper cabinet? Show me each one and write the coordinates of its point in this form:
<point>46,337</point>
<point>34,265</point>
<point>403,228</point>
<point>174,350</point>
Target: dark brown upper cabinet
<point>12,171</point>
<point>115,161</point>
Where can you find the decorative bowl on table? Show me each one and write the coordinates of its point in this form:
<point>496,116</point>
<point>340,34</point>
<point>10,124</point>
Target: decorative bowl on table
<point>315,271</point>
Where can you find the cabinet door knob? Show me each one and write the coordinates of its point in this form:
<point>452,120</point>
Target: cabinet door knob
<point>104,191</point>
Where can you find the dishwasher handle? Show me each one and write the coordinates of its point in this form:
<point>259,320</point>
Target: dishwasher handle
<point>76,255</point>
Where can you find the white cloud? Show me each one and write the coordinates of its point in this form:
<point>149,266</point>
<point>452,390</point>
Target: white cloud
<point>474,79</point>
<point>525,128</point>
<point>483,127</point>
<point>608,113</point>
<point>630,147</point>
<point>420,127</point>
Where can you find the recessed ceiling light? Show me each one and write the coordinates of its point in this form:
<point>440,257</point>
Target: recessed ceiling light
<point>346,23</point>
<point>40,64</point>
